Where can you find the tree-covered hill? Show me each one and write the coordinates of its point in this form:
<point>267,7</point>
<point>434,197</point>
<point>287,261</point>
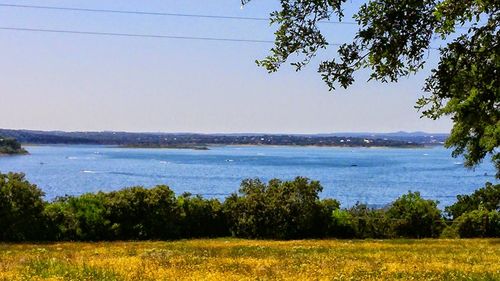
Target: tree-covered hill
<point>199,141</point>
<point>10,146</point>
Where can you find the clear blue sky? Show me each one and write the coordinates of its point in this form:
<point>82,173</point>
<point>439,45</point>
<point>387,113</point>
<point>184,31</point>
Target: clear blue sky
<point>79,82</point>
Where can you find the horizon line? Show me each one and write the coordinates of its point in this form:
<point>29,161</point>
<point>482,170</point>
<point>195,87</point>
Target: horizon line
<point>230,133</point>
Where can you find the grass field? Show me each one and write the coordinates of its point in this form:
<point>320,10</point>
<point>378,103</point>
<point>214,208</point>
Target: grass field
<point>232,259</point>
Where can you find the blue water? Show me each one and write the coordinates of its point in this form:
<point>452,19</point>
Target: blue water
<point>370,175</point>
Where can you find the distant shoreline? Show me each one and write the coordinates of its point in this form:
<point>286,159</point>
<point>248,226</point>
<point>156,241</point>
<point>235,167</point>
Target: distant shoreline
<point>154,146</point>
<point>210,146</point>
<point>17,153</point>
<point>205,141</point>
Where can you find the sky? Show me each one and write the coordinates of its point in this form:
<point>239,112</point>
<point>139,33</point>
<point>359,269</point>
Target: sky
<point>70,82</point>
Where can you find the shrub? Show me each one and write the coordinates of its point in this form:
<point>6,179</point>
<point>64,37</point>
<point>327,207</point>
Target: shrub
<point>342,224</point>
<point>131,213</point>
<point>79,218</point>
<point>21,209</point>
<point>370,223</point>
<point>201,217</point>
<point>488,197</point>
<point>61,222</point>
<point>479,223</point>
<point>324,222</point>
<point>413,216</point>
<point>449,232</point>
<point>140,213</point>
<point>280,210</point>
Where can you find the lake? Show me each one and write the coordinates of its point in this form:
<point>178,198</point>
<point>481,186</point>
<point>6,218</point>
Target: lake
<point>375,176</point>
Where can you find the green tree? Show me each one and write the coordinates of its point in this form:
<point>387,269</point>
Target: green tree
<point>370,223</point>
<point>478,223</point>
<point>201,217</point>
<point>393,40</point>
<point>487,197</point>
<point>21,209</point>
<point>79,218</point>
<point>141,213</point>
<point>279,209</point>
<point>342,224</point>
<point>413,216</point>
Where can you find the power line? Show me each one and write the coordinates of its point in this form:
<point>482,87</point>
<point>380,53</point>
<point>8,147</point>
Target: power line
<point>165,14</point>
<point>151,13</point>
<point>156,36</point>
<point>133,35</point>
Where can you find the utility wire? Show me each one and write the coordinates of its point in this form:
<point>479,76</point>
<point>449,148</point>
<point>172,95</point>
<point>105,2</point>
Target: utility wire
<point>163,14</point>
<point>152,13</point>
<point>133,35</point>
<point>157,36</point>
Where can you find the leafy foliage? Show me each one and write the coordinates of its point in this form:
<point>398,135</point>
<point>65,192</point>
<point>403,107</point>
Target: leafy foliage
<point>277,210</point>
<point>130,213</point>
<point>479,223</point>
<point>466,86</point>
<point>413,216</point>
<point>393,40</point>
<point>201,217</point>
<point>21,209</point>
<point>342,225</point>
<point>78,218</point>
<point>370,223</point>
<point>142,213</point>
<point>282,210</point>
<point>298,32</point>
<point>487,197</point>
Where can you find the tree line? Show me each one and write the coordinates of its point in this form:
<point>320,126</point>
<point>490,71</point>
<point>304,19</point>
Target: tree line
<point>274,210</point>
<point>188,140</point>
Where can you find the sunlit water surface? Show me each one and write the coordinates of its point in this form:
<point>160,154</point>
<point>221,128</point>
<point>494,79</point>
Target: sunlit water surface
<point>370,175</point>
